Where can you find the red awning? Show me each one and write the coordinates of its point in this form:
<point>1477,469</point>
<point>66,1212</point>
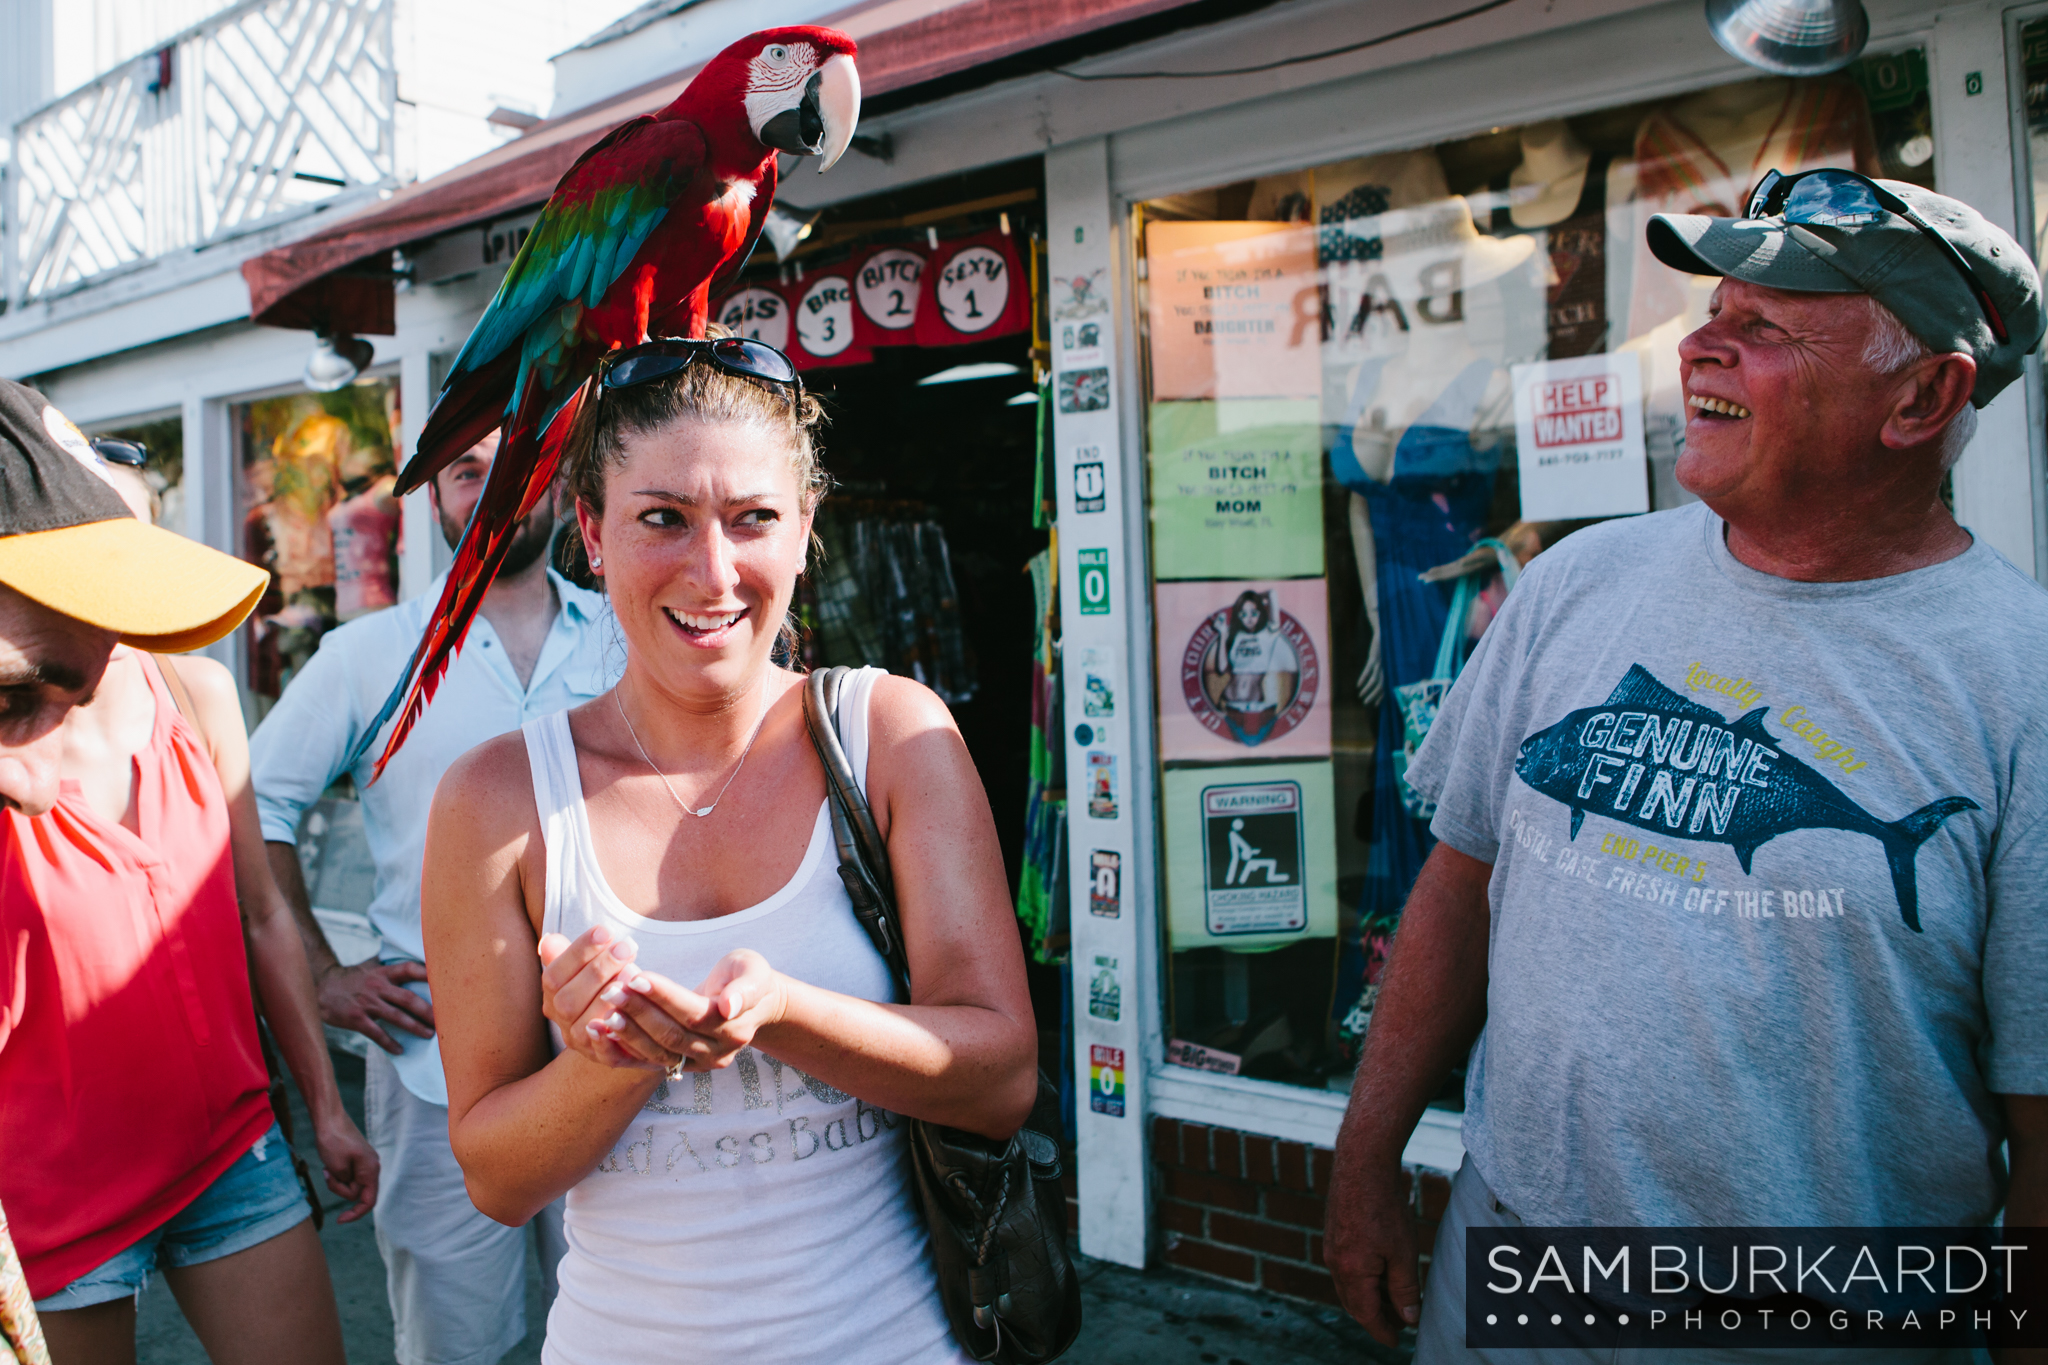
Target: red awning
<point>307,283</point>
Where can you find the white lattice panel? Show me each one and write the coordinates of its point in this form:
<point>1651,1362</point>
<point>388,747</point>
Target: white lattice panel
<point>269,106</point>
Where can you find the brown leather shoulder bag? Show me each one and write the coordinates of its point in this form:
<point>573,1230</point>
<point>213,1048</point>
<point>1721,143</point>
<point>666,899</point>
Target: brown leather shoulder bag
<point>996,1211</point>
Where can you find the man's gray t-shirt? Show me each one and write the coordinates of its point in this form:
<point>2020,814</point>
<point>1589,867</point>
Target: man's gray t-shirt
<point>1716,803</point>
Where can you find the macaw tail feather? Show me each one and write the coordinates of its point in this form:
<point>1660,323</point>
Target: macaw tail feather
<point>471,408</point>
<point>520,477</point>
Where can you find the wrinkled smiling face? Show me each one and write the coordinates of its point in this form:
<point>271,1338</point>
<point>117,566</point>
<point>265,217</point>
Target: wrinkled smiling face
<point>703,536</point>
<point>1779,400</point>
<point>48,664</point>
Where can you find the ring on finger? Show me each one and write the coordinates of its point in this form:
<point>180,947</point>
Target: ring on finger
<point>678,1067</point>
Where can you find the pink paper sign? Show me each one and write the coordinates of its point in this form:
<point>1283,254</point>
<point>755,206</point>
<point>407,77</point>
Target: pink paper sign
<point>1235,312</point>
<point>1241,669</point>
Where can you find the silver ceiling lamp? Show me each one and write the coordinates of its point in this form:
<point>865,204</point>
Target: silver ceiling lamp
<point>1790,37</point>
<point>786,227</point>
<point>336,361</point>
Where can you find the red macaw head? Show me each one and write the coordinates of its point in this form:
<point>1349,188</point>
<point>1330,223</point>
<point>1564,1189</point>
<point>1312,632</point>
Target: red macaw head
<point>797,85</point>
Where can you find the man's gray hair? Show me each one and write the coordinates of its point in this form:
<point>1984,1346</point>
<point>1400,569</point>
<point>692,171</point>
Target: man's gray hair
<point>1890,349</point>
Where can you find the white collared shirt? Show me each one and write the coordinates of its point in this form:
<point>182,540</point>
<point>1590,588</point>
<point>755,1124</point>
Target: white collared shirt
<point>304,744</point>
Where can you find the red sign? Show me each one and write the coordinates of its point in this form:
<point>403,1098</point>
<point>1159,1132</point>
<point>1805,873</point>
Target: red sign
<point>886,285</point>
<point>973,289</point>
<point>821,316</point>
<point>1576,412</point>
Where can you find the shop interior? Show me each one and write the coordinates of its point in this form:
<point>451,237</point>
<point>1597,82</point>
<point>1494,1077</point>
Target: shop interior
<point>1361,381</point>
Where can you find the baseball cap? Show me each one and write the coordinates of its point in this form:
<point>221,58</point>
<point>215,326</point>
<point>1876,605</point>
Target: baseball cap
<point>68,541</point>
<point>1889,259</point>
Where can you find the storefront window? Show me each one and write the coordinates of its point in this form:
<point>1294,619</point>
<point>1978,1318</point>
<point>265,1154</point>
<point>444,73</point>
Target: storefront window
<point>164,439</point>
<point>1375,389</point>
<point>318,512</point>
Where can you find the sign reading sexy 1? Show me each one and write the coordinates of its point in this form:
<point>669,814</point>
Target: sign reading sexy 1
<point>973,289</point>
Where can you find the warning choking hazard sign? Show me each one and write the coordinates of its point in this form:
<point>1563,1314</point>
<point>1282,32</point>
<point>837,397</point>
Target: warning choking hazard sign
<point>1253,862</point>
<point>1579,437</point>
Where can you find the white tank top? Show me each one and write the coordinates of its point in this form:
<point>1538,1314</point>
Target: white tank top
<point>753,1213</point>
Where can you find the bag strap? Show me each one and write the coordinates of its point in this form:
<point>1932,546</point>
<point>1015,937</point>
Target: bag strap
<point>181,697</point>
<point>1448,654</point>
<point>863,856</point>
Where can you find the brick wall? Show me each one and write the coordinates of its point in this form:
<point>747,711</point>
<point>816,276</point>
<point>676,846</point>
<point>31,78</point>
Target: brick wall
<point>1249,1209</point>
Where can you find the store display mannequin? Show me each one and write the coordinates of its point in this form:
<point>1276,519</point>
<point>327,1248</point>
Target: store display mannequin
<point>1546,187</point>
<point>1570,195</point>
<point>1701,154</point>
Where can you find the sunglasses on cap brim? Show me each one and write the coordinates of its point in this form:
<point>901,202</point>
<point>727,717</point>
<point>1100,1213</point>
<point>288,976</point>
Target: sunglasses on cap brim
<point>114,450</point>
<point>664,356</point>
<point>1844,199</point>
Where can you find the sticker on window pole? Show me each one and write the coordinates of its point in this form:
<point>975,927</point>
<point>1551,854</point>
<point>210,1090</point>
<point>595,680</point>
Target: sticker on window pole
<point>1091,484</point>
<point>1101,785</point>
<point>1105,883</point>
<point>1094,581</point>
<point>1252,858</point>
<point>1106,1080</point>
<point>1105,992</point>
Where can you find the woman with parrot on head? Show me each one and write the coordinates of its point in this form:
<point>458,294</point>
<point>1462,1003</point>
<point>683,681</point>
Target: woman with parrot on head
<point>652,990</point>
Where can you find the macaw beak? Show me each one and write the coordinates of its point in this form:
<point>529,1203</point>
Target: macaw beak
<point>822,123</point>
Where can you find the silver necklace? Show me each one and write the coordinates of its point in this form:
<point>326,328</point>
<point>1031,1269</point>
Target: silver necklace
<point>700,814</point>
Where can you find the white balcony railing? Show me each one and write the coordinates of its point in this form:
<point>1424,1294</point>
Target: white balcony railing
<point>265,108</point>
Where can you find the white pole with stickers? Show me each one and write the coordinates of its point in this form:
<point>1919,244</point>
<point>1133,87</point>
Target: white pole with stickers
<point>1105,677</point>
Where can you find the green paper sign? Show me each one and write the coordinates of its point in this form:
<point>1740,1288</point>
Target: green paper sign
<point>1237,489</point>
<point>1094,581</point>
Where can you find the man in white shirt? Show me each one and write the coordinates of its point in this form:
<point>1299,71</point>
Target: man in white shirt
<point>540,644</point>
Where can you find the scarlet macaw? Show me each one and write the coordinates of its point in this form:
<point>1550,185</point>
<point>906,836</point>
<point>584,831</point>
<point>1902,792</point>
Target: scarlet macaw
<point>636,236</point>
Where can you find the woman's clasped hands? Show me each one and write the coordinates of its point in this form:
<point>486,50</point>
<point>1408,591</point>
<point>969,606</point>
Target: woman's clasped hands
<point>614,1014</point>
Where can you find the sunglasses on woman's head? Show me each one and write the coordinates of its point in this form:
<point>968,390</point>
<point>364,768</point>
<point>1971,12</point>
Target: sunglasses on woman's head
<point>663,356</point>
<point>114,450</point>
<point>1837,198</point>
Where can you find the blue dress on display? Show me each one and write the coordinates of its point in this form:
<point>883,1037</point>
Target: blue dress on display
<point>1430,511</point>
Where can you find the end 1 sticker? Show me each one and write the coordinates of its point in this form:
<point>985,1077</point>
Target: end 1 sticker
<point>1106,1080</point>
<point>1094,581</point>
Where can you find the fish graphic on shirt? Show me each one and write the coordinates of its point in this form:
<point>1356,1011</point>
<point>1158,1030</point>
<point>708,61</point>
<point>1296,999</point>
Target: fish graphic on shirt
<point>1655,759</point>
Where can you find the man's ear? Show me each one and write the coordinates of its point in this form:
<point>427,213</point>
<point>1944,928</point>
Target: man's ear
<point>1928,397</point>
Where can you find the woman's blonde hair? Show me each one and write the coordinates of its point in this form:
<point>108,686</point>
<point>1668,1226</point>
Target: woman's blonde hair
<point>700,392</point>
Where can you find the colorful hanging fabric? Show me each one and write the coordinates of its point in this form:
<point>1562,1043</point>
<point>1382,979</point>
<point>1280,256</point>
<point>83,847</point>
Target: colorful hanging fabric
<point>1042,900</point>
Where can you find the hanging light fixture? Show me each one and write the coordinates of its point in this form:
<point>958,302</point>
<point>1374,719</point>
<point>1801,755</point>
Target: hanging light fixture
<point>1790,37</point>
<point>987,369</point>
<point>336,361</point>
<point>785,228</point>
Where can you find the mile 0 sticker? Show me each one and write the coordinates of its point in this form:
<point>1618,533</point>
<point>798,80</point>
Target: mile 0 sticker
<point>1252,858</point>
<point>974,289</point>
<point>885,286</point>
<point>759,315</point>
<point>824,316</point>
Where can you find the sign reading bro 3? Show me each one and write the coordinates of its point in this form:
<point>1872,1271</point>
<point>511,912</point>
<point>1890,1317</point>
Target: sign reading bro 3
<point>1252,858</point>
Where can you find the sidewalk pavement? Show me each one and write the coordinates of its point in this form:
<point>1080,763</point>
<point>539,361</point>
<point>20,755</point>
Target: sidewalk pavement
<point>1156,1317</point>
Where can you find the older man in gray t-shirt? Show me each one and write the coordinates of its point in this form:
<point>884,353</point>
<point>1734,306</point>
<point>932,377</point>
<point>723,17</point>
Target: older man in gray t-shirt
<point>1743,807</point>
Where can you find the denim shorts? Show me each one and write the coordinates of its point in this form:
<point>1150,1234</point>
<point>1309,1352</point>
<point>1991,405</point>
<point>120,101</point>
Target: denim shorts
<point>251,1201</point>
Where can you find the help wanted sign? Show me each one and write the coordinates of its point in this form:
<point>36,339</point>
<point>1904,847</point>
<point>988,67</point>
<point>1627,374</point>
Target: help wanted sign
<point>1579,437</point>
